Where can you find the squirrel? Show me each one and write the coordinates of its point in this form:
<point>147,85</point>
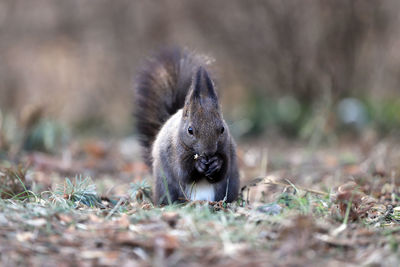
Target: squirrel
<point>186,141</point>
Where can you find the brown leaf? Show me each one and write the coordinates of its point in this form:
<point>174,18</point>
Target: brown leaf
<point>352,169</point>
<point>167,242</point>
<point>25,236</point>
<point>297,235</point>
<point>64,218</point>
<point>123,221</point>
<point>96,149</point>
<point>163,241</point>
<point>171,218</point>
<point>146,206</point>
<point>129,239</point>
<point>135,167</point>
<point>349,194</point>
<point>95,219</point>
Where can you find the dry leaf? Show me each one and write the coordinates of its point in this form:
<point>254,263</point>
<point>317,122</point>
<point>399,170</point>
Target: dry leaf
<point>96,149</point>
<point>171,218</point>
<point>349,194</point>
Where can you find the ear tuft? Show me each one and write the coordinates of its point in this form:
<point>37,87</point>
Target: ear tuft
<point>203,84</point>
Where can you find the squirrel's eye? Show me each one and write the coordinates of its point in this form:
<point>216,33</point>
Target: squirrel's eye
<point>222,130</point>
<point>190,130</point>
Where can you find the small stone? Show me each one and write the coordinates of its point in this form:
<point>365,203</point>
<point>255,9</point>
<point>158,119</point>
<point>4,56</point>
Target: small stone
<point>270,209</point>
<point>3,219</point>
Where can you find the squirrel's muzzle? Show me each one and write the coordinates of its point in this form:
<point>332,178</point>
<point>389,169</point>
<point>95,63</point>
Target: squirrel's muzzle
<point>209,154</point>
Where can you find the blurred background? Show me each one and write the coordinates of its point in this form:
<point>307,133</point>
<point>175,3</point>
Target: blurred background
<point>310,70</point>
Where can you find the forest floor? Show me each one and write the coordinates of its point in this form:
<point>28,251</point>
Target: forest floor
<point>299,206</point>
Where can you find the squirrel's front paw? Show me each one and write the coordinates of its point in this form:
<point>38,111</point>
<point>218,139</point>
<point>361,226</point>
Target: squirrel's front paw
<point>201,164</point>
<point>214,165</point>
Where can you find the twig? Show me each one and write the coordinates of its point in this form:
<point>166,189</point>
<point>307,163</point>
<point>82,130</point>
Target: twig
<point>183,191</point>
<point>226,192</point>
<point>122,199</point>
<point>267,180</point>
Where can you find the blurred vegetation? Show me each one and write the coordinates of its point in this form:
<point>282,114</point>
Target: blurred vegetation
<point>283,67</point>
<point>293,118</point>
<point>14,183</point>
<point>47,136</point>
<point>33,133</point>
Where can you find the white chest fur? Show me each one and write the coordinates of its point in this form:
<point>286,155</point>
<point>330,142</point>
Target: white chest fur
<point>200,191</point>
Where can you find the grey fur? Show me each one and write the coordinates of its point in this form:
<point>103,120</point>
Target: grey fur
<point>175,146</point>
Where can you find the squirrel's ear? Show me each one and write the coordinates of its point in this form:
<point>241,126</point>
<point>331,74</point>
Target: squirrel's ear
<point>197,85</point>
<point>203,85</point>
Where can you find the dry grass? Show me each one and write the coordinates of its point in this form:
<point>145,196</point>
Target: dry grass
<point>302,213</point>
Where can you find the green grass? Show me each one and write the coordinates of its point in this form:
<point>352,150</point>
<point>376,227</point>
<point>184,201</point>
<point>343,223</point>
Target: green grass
<point>13,183</point>
<point>76,192</point>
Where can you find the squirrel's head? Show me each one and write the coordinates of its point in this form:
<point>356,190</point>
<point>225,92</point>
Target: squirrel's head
<point>202,127</point>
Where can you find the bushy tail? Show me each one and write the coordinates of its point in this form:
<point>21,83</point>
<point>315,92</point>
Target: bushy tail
<point>161,90</point>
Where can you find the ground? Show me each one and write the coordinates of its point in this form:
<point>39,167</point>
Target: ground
<point>301,205</point>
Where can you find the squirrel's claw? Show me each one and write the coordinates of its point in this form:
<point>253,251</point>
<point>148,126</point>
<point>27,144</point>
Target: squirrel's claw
<point>200,166</point>
<point>215,164</point>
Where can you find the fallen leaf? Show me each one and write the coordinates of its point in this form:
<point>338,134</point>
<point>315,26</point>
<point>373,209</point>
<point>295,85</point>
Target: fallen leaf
<point>96,149</point>
<point>123,221</point>
<point>171,218</point>
<point>350,194</point>
<point>25,236</point>
<point>36,222</point>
